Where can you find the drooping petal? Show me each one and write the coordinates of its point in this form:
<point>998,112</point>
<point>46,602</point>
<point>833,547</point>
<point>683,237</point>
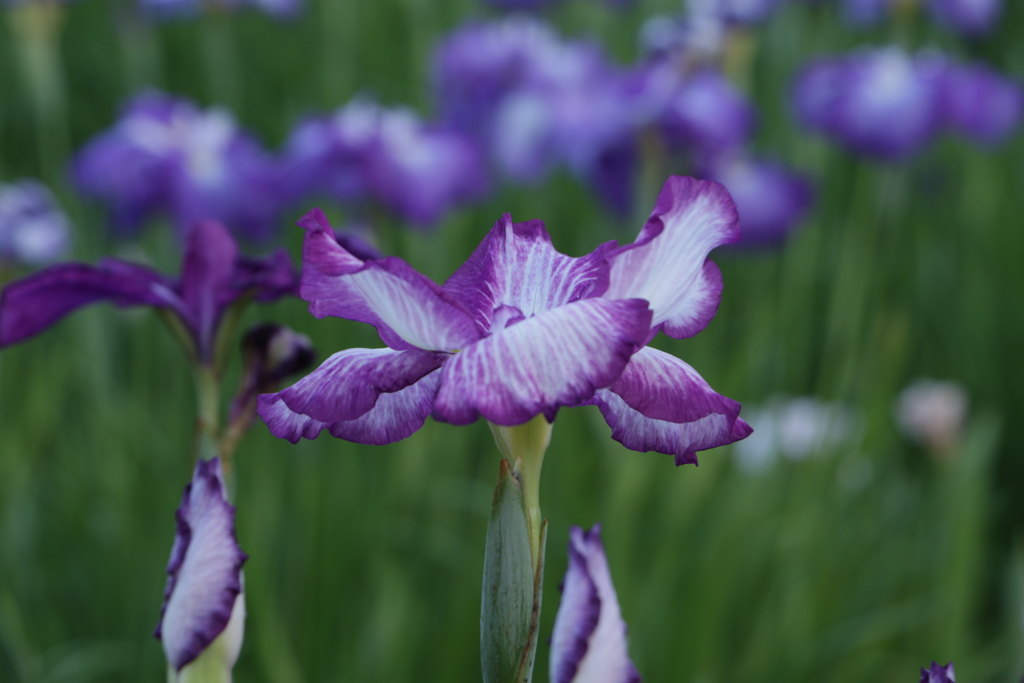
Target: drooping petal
<point>206,271</point>
<point>205,570</point>
<point>663,387</point>
<point>589,640</point>
<point>348,383</point>
<point>557,358</point>
<point>29,306</point>
<point>667,264</point>
<point>516,265</point>
<point>938,674</point>
<point>408,309</point>
<point>637,432</point>
<point>394,417</point>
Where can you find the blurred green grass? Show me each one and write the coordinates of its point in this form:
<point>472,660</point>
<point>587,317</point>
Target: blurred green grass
<point>366,561</point>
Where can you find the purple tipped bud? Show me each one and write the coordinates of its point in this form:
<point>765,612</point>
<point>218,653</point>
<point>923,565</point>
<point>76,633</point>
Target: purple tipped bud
<point>938,674</point>
<point>203,602</point>
<point>589,640</point>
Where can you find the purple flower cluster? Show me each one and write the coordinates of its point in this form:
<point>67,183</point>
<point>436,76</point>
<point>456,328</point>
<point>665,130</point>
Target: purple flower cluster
<point>167,157</point>
<point>367,153</point>
<point>888,104</point>
<point>281,9</point>
<point>967,17</point>
<point>33,229</point>
<point>534,101</point>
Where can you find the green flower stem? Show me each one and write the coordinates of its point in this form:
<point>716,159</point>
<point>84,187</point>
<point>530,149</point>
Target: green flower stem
<point>224,74</point>
<point>525,445</point>
<point>208,416</point>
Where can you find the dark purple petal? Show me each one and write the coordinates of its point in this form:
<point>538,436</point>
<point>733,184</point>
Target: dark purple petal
<point>206,271</point>
<point>265,278</point>
<point>394,417</point>
<point>589,639</point>
<point>637,432</point>
<point>553,359</point>
<point>667,264</point>
<point>29,306</point>
<point>770,199</point>
<point>516,265</point>
<point>408,309</point>
<point>205,570</point>
<point>938,674</point>
<point>981,104</point>
<point>348,383</point>
<point>662,387</point>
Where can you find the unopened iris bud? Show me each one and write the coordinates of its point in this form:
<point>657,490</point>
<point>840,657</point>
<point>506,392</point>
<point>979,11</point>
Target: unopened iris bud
<point>589,641</point>
<point>270,352</point>
<point>938,674</point>
<point>203,615</point>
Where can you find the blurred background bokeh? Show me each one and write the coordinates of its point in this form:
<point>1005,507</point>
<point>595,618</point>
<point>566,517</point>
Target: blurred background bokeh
<point>872,324</point>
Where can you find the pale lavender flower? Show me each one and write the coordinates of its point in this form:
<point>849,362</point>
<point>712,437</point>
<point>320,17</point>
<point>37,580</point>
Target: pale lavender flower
<point>981,104</point>
<point>589,640</point>
<point>795,429</point>
<point>969,17</point>
<point>166,157</point>
<point>521,330</point>
<point>879,102</point>
<point>770,198</point>
<point>938,674</point>
<point>204,604</point>
<point>932,413</point>
<point>33,229</point>
<point>213,277</point>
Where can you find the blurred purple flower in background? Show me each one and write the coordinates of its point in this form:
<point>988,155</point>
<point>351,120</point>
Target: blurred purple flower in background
<point>938,674</point>
<point>281,9</point>
<point>214,276</point>
<point>588,644</point>
<point>707,114</point>
<point>365,152</point>
<point>167,157</point>
<point>969,17</point>
<point>522,330</point>
<point>203,614</point>
<point>771,199</point>
<point>981,104</point>
<point>33,229</point>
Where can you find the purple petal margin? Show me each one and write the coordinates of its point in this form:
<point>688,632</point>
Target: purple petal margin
<point>204,574</point>
<point>589,639</point>
<point>938,674</point>
<point>667,264</point>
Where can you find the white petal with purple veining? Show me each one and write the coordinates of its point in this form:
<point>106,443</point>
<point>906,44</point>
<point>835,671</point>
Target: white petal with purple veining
<point>639,433</point>
<point>394,417</point>
<point>348,383</point>
<point>516,265</point>
<point>663,387</point>
<point>553,359</point>
<point>667,264</point>
<point>204,572</point>
<point>407,308</point>
<point>589,640</point>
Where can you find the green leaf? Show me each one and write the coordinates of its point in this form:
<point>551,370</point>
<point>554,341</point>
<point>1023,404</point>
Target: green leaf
<point>510,600</point>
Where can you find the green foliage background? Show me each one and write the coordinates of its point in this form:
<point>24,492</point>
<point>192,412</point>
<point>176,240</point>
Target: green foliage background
<point>366,561</point>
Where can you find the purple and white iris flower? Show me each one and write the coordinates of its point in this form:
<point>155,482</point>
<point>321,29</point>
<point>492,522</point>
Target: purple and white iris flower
<point>522,330</point>
<point>214,276</point>
<point>367,152</point>
<point>938,674</point>
<point>589,640</point>
<point>202,619</point>
<point>33,229</point>
<point>167,157</point>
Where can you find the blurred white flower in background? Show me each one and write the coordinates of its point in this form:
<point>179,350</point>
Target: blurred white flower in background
<point>932,412</point>
<point>793,428</point>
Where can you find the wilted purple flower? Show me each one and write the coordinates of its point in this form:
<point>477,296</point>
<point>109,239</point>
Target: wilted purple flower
<point>270,353</point>
<point>980,103</point>
<point>204,606</point>
<point>938,674</point>
<point>970,17</point>
<point>708,114</point>
<point>880,102</point>
<point>770,198</point>
<point>165,156</point>
<point>213,277</point>
<point>589,641</point>
<point>521,330</point>
<point>366,152</point>
<point>33,229</point>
